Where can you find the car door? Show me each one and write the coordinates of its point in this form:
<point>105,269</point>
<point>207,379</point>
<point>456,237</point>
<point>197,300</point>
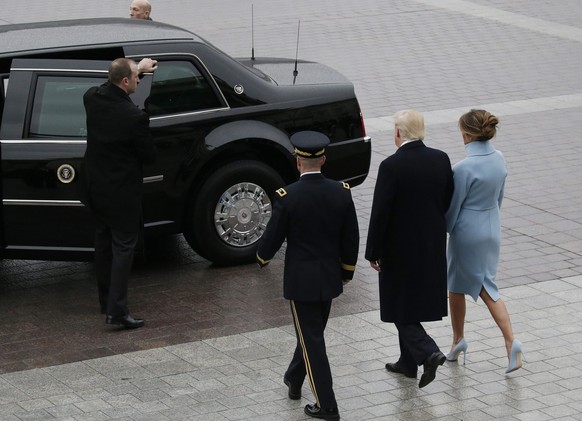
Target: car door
<point>43,137</point>
<point>183,106</point>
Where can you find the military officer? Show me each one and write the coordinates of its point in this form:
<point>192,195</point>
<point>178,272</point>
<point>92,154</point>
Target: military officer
<point>318,219</point>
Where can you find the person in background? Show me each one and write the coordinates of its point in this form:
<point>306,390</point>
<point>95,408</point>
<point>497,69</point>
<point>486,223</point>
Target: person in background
<point>318,219</point>
<point>140,9</point>
<point>407,243</point>
<point>473,223</point>
<point>119,142</point>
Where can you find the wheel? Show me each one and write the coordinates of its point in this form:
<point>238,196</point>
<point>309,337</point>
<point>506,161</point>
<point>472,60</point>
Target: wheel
<point>231,212</point>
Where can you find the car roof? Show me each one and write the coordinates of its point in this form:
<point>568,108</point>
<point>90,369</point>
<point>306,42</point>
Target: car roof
<point>67,34</point>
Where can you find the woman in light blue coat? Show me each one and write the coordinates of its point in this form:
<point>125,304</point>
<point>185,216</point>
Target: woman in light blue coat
<point>475,231</point>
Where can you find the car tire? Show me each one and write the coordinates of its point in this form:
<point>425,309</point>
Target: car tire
<point>230,212</point>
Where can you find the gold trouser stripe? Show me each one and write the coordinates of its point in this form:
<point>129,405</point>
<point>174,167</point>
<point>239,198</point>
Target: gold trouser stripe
<point>305,356</point>
<point>351,268</point>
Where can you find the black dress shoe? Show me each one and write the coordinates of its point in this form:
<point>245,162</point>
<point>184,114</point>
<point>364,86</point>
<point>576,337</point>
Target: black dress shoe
<point>324,414</point>
<point>430,368</point>
<point>125,321</point>
<point>397,368</point>
<point>294,390</point>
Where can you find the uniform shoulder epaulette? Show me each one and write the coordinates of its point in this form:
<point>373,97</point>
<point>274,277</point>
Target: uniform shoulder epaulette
<point>346,185</point>
<point>281,192</point>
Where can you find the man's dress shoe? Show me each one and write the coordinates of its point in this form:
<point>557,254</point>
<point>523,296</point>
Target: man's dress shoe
<point>125,321</point>
<point>324,414</point>
<point>430,368</point>
<point>294,390</point>
<point>397,368</point>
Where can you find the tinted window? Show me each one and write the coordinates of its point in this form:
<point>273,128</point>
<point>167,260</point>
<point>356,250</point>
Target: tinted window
<point>57,109</point>
<point>179,87</point>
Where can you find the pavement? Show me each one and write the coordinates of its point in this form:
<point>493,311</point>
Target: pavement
<point>218,340</point>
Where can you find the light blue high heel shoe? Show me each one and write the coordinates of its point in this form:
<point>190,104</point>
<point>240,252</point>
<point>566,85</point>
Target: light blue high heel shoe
<point>515,356</point>
<point>460,347</point>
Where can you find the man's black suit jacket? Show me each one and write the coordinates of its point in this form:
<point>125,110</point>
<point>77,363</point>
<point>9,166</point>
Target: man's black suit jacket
<point>119,142</point>
<point>318,218</point>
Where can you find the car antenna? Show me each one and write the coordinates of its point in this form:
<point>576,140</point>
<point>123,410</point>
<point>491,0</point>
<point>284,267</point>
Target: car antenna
<point>295,72</point>
<point>252,32</point>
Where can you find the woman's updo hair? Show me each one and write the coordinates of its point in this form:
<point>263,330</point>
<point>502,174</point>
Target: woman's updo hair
<point>478,124</point>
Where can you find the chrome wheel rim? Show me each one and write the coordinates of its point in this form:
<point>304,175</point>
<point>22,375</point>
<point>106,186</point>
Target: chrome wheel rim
<point>242,214</point>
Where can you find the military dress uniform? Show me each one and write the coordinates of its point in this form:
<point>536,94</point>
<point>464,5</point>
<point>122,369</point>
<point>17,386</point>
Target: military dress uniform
<point>318,219</point>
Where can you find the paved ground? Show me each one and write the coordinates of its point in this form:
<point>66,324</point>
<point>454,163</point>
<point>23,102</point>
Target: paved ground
<point>218,340</point>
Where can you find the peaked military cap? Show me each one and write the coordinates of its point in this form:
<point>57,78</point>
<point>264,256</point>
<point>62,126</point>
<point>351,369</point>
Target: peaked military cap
<point>309,144</point>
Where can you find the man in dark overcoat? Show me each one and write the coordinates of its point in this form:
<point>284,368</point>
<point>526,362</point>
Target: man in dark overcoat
<point>407,243</point>
<point>318,219</point>
<point>119,142</point>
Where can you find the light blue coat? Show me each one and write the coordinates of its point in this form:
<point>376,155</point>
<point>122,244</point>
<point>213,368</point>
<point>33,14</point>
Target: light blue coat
<point>473,221</point>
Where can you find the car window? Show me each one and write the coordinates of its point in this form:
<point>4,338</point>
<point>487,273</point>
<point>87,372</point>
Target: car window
<point>179,87</point>
<point>57,109</point>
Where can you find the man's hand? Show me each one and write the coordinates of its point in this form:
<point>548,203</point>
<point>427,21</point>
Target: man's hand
<point>147,65</point>
<point>376,265</point>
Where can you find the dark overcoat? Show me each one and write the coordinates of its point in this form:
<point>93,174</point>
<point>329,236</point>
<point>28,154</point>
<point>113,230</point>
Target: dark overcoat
<point>318,218</point>
<point>118,144</point>
<point>407,233</point>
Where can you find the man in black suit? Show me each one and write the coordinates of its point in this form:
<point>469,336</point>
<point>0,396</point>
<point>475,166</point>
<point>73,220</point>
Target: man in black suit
<point>407,243</point>
<point>118,144</point>
<point>318,218</point>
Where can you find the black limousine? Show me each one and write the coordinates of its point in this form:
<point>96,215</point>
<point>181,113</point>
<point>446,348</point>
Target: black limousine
<point>221,127</point>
